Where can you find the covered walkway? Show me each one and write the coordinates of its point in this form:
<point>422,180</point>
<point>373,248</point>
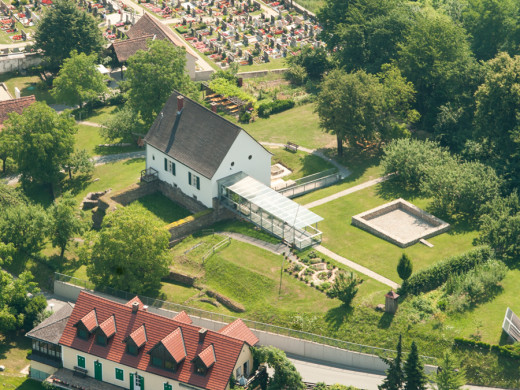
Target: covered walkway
<point>270,210</point>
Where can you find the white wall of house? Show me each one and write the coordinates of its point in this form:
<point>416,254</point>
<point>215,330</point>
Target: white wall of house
<point>151,381</point>
<point>245,356</point>
<point>244,155</point>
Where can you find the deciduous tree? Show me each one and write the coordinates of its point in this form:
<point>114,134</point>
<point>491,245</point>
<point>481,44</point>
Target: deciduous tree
<point>152,76</point>
<point>63,28</point>
<point>130,252</point>
<point>78,80</point>
<point>122,125</point>
<point>80,162</point>
<point>285,374</point>
<point>345,287</point>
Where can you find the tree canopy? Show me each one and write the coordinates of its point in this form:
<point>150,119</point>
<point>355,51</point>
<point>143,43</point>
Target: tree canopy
<point>130,252</point>
<point>78,80</point>
<point>285,374</point>
<point>64,28</point>
<point>152,76</point>
<point>44,142</point>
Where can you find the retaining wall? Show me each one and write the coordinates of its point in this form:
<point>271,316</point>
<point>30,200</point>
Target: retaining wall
<point>19,61</point>
<point>259,73</point>
<point>298,347</point>
<point>203,75</point>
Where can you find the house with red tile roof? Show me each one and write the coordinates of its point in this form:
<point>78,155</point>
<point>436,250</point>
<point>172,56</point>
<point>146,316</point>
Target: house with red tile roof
<point>14,105</point>
<point>110,345</point>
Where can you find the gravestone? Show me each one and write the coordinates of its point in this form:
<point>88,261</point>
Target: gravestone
<point>266,57</point>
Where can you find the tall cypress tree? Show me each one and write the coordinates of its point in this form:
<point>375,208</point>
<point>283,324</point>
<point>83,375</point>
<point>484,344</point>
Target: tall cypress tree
<point>394,375</point>
<point>415,378</point>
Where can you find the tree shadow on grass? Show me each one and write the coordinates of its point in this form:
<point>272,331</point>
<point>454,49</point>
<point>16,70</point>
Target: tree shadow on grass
<point>356,159</point>
<point>386,320</point>
<point>504,339</point>
<point>77,184</point>
<point>393,189</point>
<point>339,315</point>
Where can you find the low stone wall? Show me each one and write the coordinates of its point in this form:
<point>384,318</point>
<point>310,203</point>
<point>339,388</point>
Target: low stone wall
<point>177,196</point>
<point>132,193</point>
<point>182,278</point>
<point>17,62</point>
<point>203,75</point>
<point>260,73</point>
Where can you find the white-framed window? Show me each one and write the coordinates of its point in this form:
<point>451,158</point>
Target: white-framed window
<point>169,166</point>
<point>194,180</point>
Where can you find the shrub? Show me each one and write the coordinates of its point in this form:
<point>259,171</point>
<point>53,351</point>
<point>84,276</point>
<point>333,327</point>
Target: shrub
<point>244,117</point>
<point>296,75</point>
<point>507,351</point>
<point>274,107</point>
<point>436,275</point>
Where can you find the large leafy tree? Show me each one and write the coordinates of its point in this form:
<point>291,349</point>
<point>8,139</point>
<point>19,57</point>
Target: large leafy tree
<point>79,80</point>
<point>7,141</point>
<point>364,34</point>
<point>44,142</point>
<point>130,253</point>
<point>65,222</point>
<point>152,76</point>
<point>414,376</point>
<point>394,374</point>
<point>64,28</point>
<point>285,374</point>
<point>436,58</point>
<point>497,115</point>
<point>122,125</point>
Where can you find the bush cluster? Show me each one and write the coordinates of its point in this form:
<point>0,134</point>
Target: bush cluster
<point>507,351</point>
<point>274,107</point>
<point>436,275</point>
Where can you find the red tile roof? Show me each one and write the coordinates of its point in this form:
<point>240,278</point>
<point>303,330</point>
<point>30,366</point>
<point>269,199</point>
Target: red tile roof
<point>174,343</point>
<point>108,326</point>
<point>392,294</point>
<point>182,317</point>
<point>127,48</point>
<point>14,105</point>
<point>227,349</point>
<point>89,320</point>
<point>131,302</point>
<point>138,336</point>
<point>238,330</point>
<point>207,356</point>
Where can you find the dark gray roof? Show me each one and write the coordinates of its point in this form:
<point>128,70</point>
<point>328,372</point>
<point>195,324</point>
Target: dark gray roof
<point>197,137</point>
<point>51,328</point>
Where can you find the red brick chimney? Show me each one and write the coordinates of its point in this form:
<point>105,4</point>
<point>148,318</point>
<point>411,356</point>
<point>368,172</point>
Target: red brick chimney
<point>180,103</point>
<point>214,107</point>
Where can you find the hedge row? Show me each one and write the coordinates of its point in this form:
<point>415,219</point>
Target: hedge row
<point>432,277</point>
<point>274,107</point>
<point>507,351</point>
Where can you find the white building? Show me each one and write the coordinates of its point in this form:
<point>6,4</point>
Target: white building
<point>192,148</point>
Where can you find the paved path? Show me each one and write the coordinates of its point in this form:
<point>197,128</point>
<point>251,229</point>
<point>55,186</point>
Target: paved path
<point>344,172</point>
<point>277,249</point>
<point>350,190</point>
<point>356,267</point>
<point>87,123</point>
<point>100,160</point>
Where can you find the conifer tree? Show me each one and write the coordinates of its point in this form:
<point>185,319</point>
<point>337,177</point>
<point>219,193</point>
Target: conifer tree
<point>394,375</point>
<point>414,376</point>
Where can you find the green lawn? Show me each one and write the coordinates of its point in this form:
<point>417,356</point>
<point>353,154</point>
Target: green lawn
<point>373,252</point>
<point>89,138</point>
<point>28,85</point>
<point>299,125</point>
<point>13,352</point>
<point>162,208</point>
<point>311,5</point>
<point>300,163</point>
<point>20,383</point>
<point>278,63</point>
<point>101,115</point>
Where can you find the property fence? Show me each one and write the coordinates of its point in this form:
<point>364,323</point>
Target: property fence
<point>226,319</point>
<point>310,183</point>
<point>215,248</point>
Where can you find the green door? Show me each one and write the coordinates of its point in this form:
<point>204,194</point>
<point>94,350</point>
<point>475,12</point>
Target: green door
<point>81,361</point>
<point>167,386</point>
<point>98,371</point>
<point>131,381</point>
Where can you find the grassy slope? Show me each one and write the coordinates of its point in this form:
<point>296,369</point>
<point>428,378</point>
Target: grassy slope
<point>162,208</point>
<point>300,125</point>
<point>28,85</point>
<point>301,163</point>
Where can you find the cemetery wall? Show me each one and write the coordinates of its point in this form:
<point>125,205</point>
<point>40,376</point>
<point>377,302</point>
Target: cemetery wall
<point>19,61</point>
<point>260,73</point>
<point>203,75</point>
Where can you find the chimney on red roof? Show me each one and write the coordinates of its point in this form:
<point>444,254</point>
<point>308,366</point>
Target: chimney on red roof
<point>202,335</point>
<point>214,107</point>
<point>135,307</point>
<point>180,103</point>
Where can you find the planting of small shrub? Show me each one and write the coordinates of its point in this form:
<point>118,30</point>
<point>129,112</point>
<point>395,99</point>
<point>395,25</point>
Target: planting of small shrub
<point>274,107</point>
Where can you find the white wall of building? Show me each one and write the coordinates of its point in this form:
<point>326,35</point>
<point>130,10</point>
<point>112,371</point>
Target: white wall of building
<point>258,167</point>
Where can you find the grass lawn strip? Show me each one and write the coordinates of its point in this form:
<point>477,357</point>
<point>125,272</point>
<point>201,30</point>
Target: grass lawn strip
<point>300,163</point>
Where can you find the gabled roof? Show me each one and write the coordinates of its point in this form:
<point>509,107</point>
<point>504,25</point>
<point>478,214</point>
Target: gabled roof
<point>108,327</point>
<point>148,25</point>
<point>51,329</point>
<point>227,349</point>
<point>196,137</point>
<point>174,344</point>
<point>14,105</point>
<point>238,330</point>
<point>127,48</point>
<point>89,321</point>
<point>207,356</point>
<point>138,336</point>
<point>182,317</point>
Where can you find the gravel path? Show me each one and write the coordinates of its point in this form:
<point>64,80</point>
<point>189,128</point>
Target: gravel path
<point>99,160</point>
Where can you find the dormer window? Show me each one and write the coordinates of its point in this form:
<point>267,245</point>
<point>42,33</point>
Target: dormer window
<point>106,330</point>
<point>204,360</point>
<point>101,339</point>
<point>136,340</point>
<point>132,349</point>
<point>87,325</point>
<point>82,333</point>
<point>169,352</point>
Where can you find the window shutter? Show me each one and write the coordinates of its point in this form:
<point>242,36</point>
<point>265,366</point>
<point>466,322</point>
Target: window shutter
<point>173,168</point>
<point>165,164</point>
<point>141,381</point>
<point>131,381</point>
<point>198,183</point>
<point>189,178</point>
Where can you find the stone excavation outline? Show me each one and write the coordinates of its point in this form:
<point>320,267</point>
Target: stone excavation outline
<point>400,223</point>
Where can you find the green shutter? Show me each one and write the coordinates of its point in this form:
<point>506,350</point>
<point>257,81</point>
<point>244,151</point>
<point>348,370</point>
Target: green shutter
<point>131,381</point>
<point>120,374</point>
<point>165,164</point>
<point>189,178</point>
<point>173,168</point>
<point>198,182</point>
<point>141,380</point>
<point>81,361</point>
<point>167,386</point>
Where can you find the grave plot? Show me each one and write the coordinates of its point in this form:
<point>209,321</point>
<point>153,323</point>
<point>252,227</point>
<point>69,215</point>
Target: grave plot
<point>400,223</point>
<point>230,33</point>
<point>18,23</point>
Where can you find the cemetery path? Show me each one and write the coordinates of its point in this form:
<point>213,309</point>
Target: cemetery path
<point>350,190</point>
<point>100,160</point>
<point>13,45</point>
<point>344,171</point>
<point>357,267</point>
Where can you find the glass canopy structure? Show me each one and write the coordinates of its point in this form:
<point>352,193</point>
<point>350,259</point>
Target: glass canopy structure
<point>270,210</point>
